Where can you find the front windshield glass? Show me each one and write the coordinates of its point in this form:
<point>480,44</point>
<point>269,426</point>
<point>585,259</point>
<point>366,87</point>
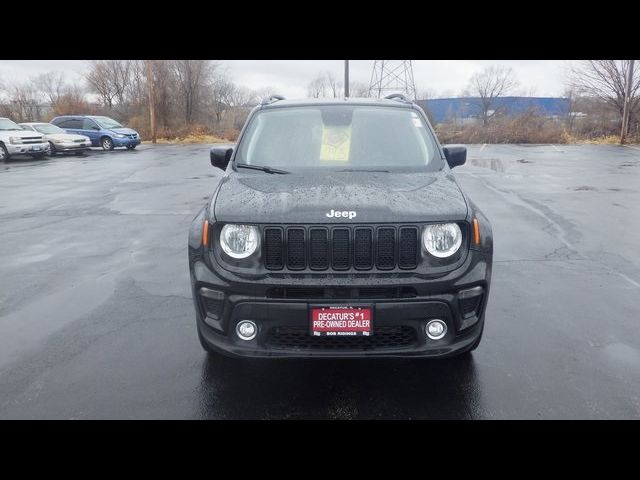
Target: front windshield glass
<point>48,129</point>
<point>106,122</point>
<point>6,124</point>
<point>342,137</point>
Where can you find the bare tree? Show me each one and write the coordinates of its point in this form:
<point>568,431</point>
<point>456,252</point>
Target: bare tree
<point>358,90</point>
<point>193,76</point>
<point>51,85</point>
<point>222,90</point>
<point>109,79</point>
<point>317,87</point>
<point>71,101</point>
<point>606,81</point>
<point>488,85</point>
<point>136,90</point>
<point>24,102</point>
<point>242,97</point>
<point>334,86</point>
<point>265,92</point>
<point>3,88</point>
<point>164,91</point>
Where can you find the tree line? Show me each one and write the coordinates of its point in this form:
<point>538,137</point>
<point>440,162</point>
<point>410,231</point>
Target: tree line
<point>596,92</point>
<point>183,97</point>
<point>188,96</point>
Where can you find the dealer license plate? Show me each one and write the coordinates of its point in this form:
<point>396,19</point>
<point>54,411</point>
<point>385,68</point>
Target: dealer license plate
<point>341,320</point>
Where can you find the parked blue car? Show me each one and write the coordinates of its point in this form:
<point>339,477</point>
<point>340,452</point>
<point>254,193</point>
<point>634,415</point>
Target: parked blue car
<point>104,132</point>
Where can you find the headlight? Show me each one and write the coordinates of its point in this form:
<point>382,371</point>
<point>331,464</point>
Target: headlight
<point>117,135</point>
<point>239,241</point>
<point>15,140</point>
<point>442,239</point>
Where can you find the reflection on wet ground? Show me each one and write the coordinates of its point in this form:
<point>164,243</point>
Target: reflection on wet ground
<point>339,389</point>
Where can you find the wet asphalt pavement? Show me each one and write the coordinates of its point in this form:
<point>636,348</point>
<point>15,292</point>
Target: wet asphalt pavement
<point>97,321</point>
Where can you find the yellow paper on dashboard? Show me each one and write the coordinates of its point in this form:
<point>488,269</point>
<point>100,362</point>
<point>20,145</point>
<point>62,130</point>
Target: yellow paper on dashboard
<point>336,143</point>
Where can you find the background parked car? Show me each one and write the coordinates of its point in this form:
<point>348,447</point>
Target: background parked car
<point>59,140</point>
<point>16,141</point>
<point>104,132</point>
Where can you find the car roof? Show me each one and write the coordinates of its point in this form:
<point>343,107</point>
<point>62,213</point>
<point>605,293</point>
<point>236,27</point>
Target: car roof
<point>81,116</point>
<point>379,102</point>
<point>33,123</point>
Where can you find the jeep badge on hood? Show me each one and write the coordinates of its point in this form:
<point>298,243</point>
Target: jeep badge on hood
<point>344,214</point>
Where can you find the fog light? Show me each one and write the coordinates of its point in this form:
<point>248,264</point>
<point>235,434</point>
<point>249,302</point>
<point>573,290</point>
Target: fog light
<point>436,329</point>
<point>246,330</point>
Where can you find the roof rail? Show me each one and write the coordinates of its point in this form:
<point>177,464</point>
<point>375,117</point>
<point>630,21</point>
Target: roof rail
<point>397,96</point>
<point>271,99</point>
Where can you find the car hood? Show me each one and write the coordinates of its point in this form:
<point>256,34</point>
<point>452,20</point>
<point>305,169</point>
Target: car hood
<point>22,133</point>
<point>376,197</point>
<point>65,137</point>
<point>123,131</point>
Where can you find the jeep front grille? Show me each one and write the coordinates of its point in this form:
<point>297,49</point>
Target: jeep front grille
<point>341,248</point>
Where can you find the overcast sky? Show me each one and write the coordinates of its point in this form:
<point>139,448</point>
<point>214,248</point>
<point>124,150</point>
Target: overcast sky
<point>290,77</point>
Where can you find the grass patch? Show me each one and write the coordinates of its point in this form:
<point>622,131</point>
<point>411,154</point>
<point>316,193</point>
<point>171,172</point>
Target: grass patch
<point>190,139</point>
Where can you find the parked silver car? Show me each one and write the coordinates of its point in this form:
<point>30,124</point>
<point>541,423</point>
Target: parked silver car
<point>59,140</point>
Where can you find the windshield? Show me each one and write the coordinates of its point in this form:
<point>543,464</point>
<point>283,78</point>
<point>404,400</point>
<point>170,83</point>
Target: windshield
<point>47,128</point>
<point>342,137</point>
<point>106,122</point>
<point>6,124</point>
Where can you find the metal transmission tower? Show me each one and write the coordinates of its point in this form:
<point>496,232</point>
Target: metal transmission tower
<point>392,76</point>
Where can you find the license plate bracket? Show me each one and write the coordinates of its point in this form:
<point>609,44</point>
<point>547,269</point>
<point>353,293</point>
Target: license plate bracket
<point>344,320</point>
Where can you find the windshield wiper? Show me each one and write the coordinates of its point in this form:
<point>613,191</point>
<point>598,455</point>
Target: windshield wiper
<point>261,168</point>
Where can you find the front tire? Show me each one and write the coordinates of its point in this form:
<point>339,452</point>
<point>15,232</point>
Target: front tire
<point>106,143</point>
<point>4,154</point>
<point>52,149</point>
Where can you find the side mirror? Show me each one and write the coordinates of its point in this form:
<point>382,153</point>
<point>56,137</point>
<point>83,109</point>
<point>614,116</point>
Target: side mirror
<point>456,155</point>
<point>220,156</point>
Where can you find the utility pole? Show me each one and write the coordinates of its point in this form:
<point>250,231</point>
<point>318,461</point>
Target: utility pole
<point>152,100</point>
<point>627,100</point>
<point>346,78</point>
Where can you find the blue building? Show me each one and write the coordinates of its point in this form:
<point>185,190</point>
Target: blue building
<point>463,108</point>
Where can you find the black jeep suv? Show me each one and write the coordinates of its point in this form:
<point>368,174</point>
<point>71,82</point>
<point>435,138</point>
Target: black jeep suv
<point>338,230</point>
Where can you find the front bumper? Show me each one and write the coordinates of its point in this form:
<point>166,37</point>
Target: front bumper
<point>222,299</point>
<point>26,149</point>
<point>125,142</point>
<point>72,146</point>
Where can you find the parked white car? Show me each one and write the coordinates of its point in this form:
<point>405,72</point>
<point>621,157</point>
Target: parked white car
<point>59,140</point>
<point>14,140</point>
